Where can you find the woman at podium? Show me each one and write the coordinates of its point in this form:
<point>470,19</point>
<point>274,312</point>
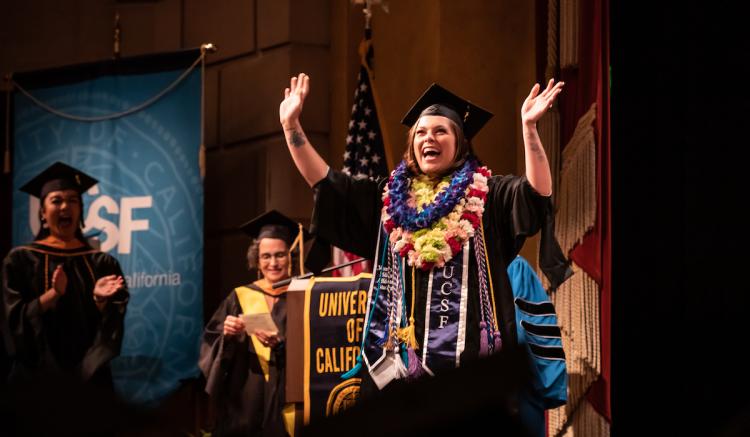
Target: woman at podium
<point>441,231</point>
<point>242,350</point>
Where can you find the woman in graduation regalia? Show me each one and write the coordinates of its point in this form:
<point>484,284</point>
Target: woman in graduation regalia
<point>441,231</point>
<point>63,301</point>
<point>245,373</point>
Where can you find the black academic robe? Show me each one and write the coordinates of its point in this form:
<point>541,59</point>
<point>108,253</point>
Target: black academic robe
<point>347,214</point>
<point>73,336</point>
<point>247,404</point>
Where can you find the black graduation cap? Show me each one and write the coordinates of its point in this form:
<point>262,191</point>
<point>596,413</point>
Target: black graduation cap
<point>469,115</point>
<point>273,224</point>
<point>58,176</point>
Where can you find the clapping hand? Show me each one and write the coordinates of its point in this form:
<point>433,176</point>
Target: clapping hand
<point>107,286</point>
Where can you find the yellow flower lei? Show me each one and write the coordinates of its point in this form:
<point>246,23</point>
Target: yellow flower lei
<point>429,246</point>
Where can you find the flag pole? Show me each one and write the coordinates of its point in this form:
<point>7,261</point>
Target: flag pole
<point>364,48</point>
<point>6,156</point>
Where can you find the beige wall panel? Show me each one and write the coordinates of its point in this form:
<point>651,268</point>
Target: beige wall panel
<point>225,258</point>
<point>478,61</point>
<point>229,24</point>
<point>47,33</point>
<point>211,107</point>
<point>213,291</point>
<point>285,188</point>
<point>310,22</point>
<point>168,22</point>
<point>295,21</point>
<point>274,23</point>
<point>252,89</point>
<point>314,61</point>
<point>234,262</point>
<point>150,27</point>
<point>233,186</point>
<point>250,92</point>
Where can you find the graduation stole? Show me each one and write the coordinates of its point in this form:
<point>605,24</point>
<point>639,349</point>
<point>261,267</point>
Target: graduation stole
<point>433,228</point>
<point>389,347</point>
<point>253,302</point>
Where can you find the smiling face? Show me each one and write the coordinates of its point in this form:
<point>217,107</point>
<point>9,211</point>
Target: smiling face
<point>434,144</point>
<point>273,259</point>
<point>61,211</point>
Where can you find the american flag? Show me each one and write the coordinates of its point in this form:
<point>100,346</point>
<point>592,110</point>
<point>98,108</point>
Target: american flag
<point>364,155</point>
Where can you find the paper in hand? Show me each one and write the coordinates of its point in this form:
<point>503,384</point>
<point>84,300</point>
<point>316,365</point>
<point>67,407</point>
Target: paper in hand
<point>262,322</point>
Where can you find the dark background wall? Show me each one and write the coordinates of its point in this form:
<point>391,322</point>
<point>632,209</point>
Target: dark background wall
<point>680,293</point>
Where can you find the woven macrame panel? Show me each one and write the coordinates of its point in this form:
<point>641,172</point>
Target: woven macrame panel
<point>553,52</point>
<point>569,33</point>
<point>585,422</point>
<point>576,213</point>
<point>577,305</point>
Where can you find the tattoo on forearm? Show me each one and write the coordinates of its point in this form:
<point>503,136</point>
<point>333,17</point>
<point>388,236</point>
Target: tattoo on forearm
<point>538,151</point>
<point>297,139</point>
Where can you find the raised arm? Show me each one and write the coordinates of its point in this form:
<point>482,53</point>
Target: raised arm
<point>309,163</point>
<point>533,108</point>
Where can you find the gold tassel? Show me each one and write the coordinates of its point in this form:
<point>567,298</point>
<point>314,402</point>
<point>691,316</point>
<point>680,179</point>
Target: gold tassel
<point>408,336</point>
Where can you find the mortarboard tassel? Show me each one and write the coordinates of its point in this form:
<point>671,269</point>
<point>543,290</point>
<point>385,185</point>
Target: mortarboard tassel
<point>409,339</point>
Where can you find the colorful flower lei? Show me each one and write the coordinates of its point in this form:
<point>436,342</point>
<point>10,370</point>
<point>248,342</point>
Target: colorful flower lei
<point>428,224</point>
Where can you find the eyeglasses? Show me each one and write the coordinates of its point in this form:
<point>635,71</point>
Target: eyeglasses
<point>266,257</point>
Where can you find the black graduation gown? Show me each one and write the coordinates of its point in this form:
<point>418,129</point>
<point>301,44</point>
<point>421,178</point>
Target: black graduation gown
<point>347,214</point>
<point>247,405</point>
<point>72,337</point>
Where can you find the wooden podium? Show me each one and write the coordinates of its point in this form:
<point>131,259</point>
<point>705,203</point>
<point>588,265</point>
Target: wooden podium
<point>295,344</point>
<point>333,337</point>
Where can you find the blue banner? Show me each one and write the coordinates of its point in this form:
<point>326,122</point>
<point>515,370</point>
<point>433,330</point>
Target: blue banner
<point>146,210</point>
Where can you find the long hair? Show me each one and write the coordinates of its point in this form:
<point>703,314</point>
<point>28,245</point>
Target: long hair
<point>463,148</point>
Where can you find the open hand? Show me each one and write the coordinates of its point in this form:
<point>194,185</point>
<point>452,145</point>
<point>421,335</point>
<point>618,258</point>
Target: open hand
<point>294,97</point>
<point>536,104</point>
<point>107,286</point>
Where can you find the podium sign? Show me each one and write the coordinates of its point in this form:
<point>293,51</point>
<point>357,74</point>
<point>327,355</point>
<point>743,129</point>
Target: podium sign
<point>329,314</point>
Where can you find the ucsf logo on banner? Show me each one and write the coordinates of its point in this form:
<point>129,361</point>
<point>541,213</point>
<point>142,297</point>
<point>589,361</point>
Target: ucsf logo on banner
<point>146,210</point>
